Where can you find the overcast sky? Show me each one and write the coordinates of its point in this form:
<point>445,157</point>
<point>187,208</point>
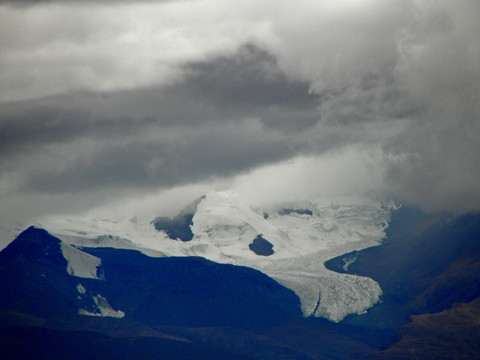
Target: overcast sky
<point>109,100</point>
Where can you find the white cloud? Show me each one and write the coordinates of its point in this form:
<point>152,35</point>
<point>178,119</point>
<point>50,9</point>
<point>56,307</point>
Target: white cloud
<point>62,47</point>
<point>355,170</point>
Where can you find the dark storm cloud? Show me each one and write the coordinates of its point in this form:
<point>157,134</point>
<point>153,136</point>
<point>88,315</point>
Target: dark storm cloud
<point>214,153</point>
<point>229,114</point>
<point>252,80</point>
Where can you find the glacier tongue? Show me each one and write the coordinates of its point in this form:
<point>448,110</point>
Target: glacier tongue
<point>304,236</point>
<point>327,294</point>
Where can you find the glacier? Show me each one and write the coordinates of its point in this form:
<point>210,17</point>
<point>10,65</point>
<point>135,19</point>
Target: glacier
<point>304,236</point>
<point>81,264</point>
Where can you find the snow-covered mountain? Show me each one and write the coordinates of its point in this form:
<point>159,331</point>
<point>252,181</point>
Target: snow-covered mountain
<point>61,294</point>
<point>289,242</point>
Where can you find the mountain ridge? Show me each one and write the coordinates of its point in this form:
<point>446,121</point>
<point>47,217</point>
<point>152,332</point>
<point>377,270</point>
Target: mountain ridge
<point>198,297</point>
<point>223,228</point>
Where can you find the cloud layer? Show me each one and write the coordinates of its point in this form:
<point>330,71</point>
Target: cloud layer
<point>105,100</point>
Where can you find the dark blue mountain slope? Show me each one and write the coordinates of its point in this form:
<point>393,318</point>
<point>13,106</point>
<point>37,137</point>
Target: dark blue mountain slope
<point>33,277</point>
<point>450,334</point>
<point>427,264</point>
<point>192,291</point>
<point>155,291</point>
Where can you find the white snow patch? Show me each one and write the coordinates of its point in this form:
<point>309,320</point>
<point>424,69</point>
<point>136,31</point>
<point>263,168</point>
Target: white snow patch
<point>103,309</point>
<point>349,261</point>
<point>81,264</point>
<point>81,289</point>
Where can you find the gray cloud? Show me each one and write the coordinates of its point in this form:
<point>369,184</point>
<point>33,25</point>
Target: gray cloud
<point>401,77</point>
<point>437,157</point>
<point>214,153</point>
<point>230,114</point>
<point>411,66</point>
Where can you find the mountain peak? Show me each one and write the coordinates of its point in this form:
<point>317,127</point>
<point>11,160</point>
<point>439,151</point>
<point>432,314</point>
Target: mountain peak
<point>34,243</point>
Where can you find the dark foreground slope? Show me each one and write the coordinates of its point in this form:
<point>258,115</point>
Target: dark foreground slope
<point>47,344</point>
<point>450,334</point>
<point>427,265</point>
